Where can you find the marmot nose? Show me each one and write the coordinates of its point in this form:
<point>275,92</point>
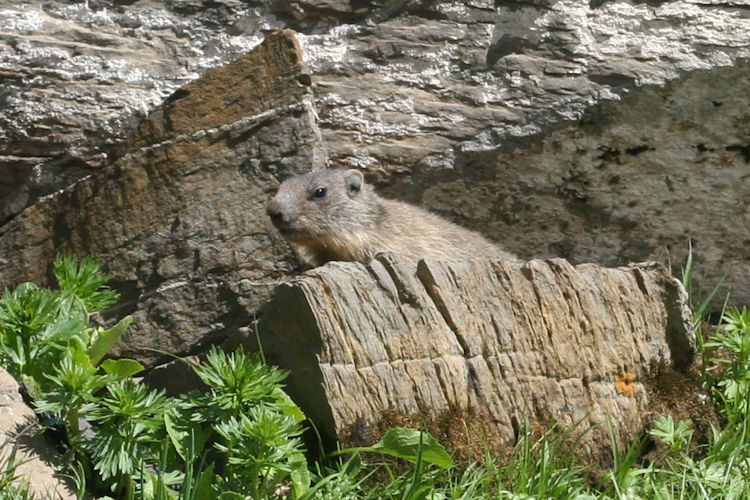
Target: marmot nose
<point>274,211</point>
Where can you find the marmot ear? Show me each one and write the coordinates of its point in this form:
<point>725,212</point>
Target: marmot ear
<point>354,180</point>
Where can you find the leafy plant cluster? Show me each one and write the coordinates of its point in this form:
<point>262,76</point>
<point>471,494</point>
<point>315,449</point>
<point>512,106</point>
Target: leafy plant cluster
<point>13,486</point>
<point>239,439</point>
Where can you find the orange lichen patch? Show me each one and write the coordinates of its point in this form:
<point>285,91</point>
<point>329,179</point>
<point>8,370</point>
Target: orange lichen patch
<point>625,383</point>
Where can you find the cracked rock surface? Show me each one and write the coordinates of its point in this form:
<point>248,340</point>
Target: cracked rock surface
<point>543,342</point>
<point>179,218</point>
<point>604,131</point>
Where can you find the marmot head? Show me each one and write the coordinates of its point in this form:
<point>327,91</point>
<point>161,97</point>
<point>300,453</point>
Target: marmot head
<point>323,205</point>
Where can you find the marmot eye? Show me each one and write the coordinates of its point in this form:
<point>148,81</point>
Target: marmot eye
<point>319,193</point>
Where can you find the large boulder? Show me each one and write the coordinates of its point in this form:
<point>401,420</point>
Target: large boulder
<point>506,346</point>
<point>573,128</point>
<point>179,217</point>
<point>598,131</point>
<point>78,76</point>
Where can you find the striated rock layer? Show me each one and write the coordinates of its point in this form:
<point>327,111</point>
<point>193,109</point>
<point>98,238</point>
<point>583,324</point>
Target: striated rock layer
<point>179,219</point>
<point>605,131</point>
<point>519,346</point>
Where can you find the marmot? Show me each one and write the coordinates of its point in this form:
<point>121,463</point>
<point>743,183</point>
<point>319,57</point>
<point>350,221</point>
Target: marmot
<point>333,215</point>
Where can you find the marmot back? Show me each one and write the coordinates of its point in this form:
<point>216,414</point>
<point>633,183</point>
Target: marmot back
<point>333,215</point>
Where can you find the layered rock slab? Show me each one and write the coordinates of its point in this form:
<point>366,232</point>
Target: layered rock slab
<point>179,218</point>
<point>519,345</point>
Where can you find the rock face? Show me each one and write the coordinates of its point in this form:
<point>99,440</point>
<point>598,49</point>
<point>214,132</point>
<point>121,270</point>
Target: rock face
<point>78,76</point>
<point>580,129</point>
<point>179,219</point>
<point>603,131</point>
<point>573,128</point>
<point>19,427</point>
<point>514,345</point>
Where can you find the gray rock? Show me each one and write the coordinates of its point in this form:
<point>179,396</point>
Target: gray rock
<point>612,134</point>
<point>77,76</point>
<point>606,132</point>
<point>504,116</point>
<point>543,342</point>
<point>179,219</point>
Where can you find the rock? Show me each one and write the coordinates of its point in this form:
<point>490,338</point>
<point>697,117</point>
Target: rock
<point>78,76</point>
<point>179,219</point>
<point>516,346</point>
<point>38,458</point>
<point>576,128</point>
<point>628,182</point>
<point>176,377</point>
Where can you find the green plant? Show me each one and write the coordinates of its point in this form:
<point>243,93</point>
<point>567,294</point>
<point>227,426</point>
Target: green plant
<point>40,326</point>
<point>545,466</point>
<point>84,280</point>
<point>240,438</point>
<point>248,419</point>
<point>733,342</point>
<point>238,382</point>
<point>700,310</point>
<point>129,427</point>
<point>12,487</point>
<point>262,449</point>
<point>36,327</point>
<point>408,444</point>
<point>676,435</point>
<point>417,447</point>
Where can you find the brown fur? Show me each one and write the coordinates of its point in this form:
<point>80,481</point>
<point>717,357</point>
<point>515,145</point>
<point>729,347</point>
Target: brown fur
<point>333,215</point>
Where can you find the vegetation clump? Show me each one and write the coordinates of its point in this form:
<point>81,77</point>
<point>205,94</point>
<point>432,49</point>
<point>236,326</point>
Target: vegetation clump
<point>241,437</point>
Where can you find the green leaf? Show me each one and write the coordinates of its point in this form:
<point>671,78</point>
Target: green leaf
<point>84,280</point>
<point>79,356</point>
<point>288,407</point>
<point>203,490</point>
<point>122,368</point>
<point>403,442</point>
<point>187,437</point>
<point>238,382</point>
<point>61,330</point>
<point>300,474</point>
<point>231,495</point>
<point>108,338</point>
<point>72,307</point>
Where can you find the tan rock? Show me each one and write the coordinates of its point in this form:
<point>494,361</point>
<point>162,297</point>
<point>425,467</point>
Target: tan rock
<point>518,345</point>
<point>38,459</point>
